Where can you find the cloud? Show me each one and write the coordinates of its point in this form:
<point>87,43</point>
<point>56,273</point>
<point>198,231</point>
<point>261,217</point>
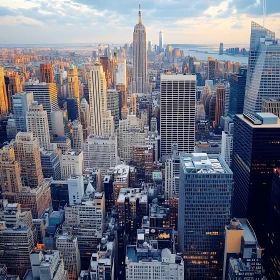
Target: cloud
<point>237,25</point>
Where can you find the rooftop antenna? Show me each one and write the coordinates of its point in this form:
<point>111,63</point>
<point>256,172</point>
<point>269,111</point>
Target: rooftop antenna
<point>264,12</point>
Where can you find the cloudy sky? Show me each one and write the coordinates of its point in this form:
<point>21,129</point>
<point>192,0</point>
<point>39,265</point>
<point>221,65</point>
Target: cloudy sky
<point>112,21</point>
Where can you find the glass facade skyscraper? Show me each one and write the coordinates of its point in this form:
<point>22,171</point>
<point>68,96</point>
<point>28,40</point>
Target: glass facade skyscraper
<point>206,185</point>
<point>256,151</point>
<point>263,76</point>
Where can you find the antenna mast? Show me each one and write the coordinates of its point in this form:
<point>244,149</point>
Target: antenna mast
<point>264,12</point>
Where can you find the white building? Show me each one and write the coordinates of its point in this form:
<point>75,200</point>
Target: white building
<point>67,246</point>
<point>57,122</point>
<point>108,124</point>
<point>227,143</point>
<point>177,112</point>
<point>37,122</point>
<point>75,189</point>
<point>121,73</point>
<point>71,163</point>
<point>97,98</point>
<point>100,152</point>
<point>77,136</point>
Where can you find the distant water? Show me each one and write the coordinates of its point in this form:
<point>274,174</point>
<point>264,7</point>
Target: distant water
<point>202,52</point>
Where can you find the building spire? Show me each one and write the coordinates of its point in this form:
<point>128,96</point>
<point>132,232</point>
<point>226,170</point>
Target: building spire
<point>140,14</point>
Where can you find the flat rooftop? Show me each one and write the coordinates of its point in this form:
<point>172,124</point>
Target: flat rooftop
<point>265,116</point>
<point>201,163</point>
<point>178,77</point>
<point>132,194</point>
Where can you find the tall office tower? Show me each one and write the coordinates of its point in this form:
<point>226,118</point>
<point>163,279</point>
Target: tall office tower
<point>73,83</point>
<point>177,112</point>
<point>212,108</point>
<point>172,174</point>
<point>108,124</point>
<point>3,95</point>
<point>27,151</point>
<point>132,104</point>
<point>67,245</point>
<point>11,129</point>
<point>100,152</point>
<point>121,77</point>
<point>46,264</point>
<point>77,136</point>
<point>150,46</point>
<point>71,163</point>
<point>15,86</point>
<point>37,122</point>
<point>85,118</point>
<point>46,95</point>
<point>113,104</point>
<point>227,145</point>
<point>160,42</point>
<point>73,109</point>
<point>243,254</point>
<point>206,184</point>
<point>271,105</point>
<point>59,119</point>
<point>76,189</point>
<point>97,98</point>
<point>211,68</point>
<point>140,60</point>
<point>16,244</point>
<point>105,62</point>
<point>264,58</point>
<point>10,180</point>
<point>46,73</point>
<point>272,254</point>
<point>220,103</point>
<point>255,153</point>
<point>221,50</point>
<point>237,93</point>
<point>21,103</point>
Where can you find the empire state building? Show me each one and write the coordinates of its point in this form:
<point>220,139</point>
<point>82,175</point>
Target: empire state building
<point>140,76</point>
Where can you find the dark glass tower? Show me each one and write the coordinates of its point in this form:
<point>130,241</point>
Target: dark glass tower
<point>237,93</point>
<point>272,253</point>
<point>256,151</point>
<point>73,109</point>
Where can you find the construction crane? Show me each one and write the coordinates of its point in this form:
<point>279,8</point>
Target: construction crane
<point>264,12</point>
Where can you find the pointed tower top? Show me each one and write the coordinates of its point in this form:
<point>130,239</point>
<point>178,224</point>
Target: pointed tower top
<point>140,14</point>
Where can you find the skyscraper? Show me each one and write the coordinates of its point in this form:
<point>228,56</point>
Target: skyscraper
<point>263,77</point>
<point>85,118</point>
<point>140,61</point>
<point>237,93</point>
<point>256,151</point>
<point>77,136</point>
<point>27,151</point>
<point>221,50</point>
<point>211,68</point>
<point>37,122</point>
<point>46,73</point>
<point>220,103</point>
<point>97,98</point>
<point>205,192</point>
<point>21,103</point>
<point>45,94</point>
<point>177,112</point>
<point>160,42</point>
<point>3,94</point>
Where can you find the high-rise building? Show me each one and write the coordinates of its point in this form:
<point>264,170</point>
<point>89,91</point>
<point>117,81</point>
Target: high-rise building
<point>227,146</point>
<point>100,152</point>
<point>160,42</point>
<point>73,83</point>
<point>37,122</point>
<point>271,105</point>
<point>220,103</point>
<point>14,86</point>
<point>177,112</point>
<point>27,151</point>
<point>108,124</point>
<point>21,103</point>
<point>46,73</point>
<point>264,58</point>
<point>211,68</point>
<point>73,109</point>
<point>97,98</point>
<point>121,77</point>
<point>45,94</point>
<point>58,122</point>
<point>243,254</point>
<point>256,151</point>
<point>75,189</point>
<point>85,118</point>
<point>140,60</point>
<point>237,93</point>
<point>71,163</point>
<point>77,136</point>
<point>67,245</point>
<point>206,184</point>
<point>3,94</point>
<point>113,104</point>
<point>10,180</point>
<point>272,254</point>
<point>221,50</point>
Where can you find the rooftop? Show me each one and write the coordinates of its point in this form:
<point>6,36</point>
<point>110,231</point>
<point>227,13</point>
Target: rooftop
<point>132,194</point>
<point>261,120</point>
<point>179,77</point>
<point>204,164</point>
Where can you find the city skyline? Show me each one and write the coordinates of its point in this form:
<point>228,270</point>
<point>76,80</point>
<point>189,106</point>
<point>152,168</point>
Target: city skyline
<point>81,21</point>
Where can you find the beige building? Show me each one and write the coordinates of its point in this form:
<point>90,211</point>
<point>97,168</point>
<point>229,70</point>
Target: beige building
<point>3,94</point>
